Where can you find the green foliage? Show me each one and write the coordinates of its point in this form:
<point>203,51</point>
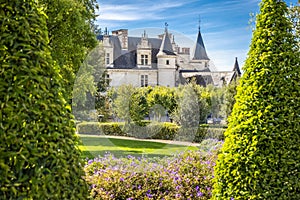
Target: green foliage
<point>204,133</point>
<point>163,96</point>
<point>161,130</point>
<point>185,176</point>
<point>89,91</point>
<point>138,106</point>
<point>192,105</point>
<point>188,107</point>
<point>70,24</point>
<point>229,100</point>
<point>98,128</point>
<point>260,157</point>
<point>164,130</point>
<point>216,100</point>
<point>39,157</point>
<point>294,15</point>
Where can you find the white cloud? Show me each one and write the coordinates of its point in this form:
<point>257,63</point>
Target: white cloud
<point>138,11</point>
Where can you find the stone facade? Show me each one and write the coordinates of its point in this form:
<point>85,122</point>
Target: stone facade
<point>143,61</point>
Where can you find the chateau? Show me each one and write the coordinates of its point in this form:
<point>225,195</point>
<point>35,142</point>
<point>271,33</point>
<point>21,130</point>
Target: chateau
<point>143,61</point>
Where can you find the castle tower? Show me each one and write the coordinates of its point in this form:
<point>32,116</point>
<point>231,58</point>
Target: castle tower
<point>109,49</point>
<point>166,62</point>
<point>236,70</point>
<point>200,59</point>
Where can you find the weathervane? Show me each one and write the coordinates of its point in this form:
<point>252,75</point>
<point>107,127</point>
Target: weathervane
<point>166,26</point>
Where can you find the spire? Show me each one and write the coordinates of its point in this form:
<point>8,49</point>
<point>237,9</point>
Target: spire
<point>199,24</point>
<point>199,51</point>
<point>166,45</point>
<point>144,35</point>
<point>236,67</point>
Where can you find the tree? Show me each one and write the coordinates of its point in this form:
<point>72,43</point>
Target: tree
<point>39,156</point>
<point>138,106</point>
<point>71,35</point>
<point>260,157</point>
<point>89,91</point>
<point>160,98</point>
<point>229,100</point>
<point>121,102</point>
<point>216,100</point>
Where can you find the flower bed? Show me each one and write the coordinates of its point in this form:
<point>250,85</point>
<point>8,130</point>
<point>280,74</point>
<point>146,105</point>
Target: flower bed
<point>184,176</point>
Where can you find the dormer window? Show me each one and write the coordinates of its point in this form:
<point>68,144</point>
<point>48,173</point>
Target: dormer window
<point>144,59</point>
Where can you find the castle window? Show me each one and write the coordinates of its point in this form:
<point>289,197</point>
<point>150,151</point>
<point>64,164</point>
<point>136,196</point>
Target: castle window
<point>107,59</point>
<point>144,80</point>
<point>167,62</point>
<point>144,59</point>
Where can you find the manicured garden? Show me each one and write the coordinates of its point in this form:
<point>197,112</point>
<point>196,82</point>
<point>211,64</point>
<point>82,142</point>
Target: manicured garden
<point>93,146</point>
<point>185,175</point>
<point>39,149</point>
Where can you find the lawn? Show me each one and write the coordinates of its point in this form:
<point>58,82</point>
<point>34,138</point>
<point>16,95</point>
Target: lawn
<point>92,146</point>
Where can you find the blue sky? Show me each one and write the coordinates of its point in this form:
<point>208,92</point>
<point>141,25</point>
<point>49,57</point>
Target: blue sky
<point>224,23</point>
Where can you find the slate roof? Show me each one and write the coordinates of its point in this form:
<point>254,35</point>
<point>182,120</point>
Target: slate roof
<point>166,45</point>
<point>236,67</point>
<point>199,50</point>
<point>128,59</point>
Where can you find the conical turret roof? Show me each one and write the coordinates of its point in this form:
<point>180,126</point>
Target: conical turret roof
<point>236,67</point>
<point>166,45</point>
<point>199,51</point>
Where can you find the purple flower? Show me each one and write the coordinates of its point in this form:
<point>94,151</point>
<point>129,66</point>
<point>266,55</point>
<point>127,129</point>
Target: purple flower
<point>197,188</point>
<point>121,179</point>
<point>149,195</point>
<point>199,194</point>
<point>231,198</point>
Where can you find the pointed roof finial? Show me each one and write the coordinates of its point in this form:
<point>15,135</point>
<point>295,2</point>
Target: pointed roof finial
<point>166,47</point>
<point>166,27</point>
<point>144,35</point>
<point>199,22</point>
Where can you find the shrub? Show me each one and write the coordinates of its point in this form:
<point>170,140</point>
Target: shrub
<point>92,128</point>
<point>39,158</point>
<point>184,176</point>
<point>260,158</point>
<point>156,130</point>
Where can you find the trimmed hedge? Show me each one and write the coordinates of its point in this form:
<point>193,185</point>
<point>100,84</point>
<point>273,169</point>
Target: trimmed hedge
<point>39,155</point>
<point>260,158</point>
<point>163,131</point>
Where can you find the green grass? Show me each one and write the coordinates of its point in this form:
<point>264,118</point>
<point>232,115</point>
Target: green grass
<point>92,146</point>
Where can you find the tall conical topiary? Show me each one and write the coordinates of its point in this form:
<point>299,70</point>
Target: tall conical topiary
<point>39,158</point>
<point>260,158</point>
